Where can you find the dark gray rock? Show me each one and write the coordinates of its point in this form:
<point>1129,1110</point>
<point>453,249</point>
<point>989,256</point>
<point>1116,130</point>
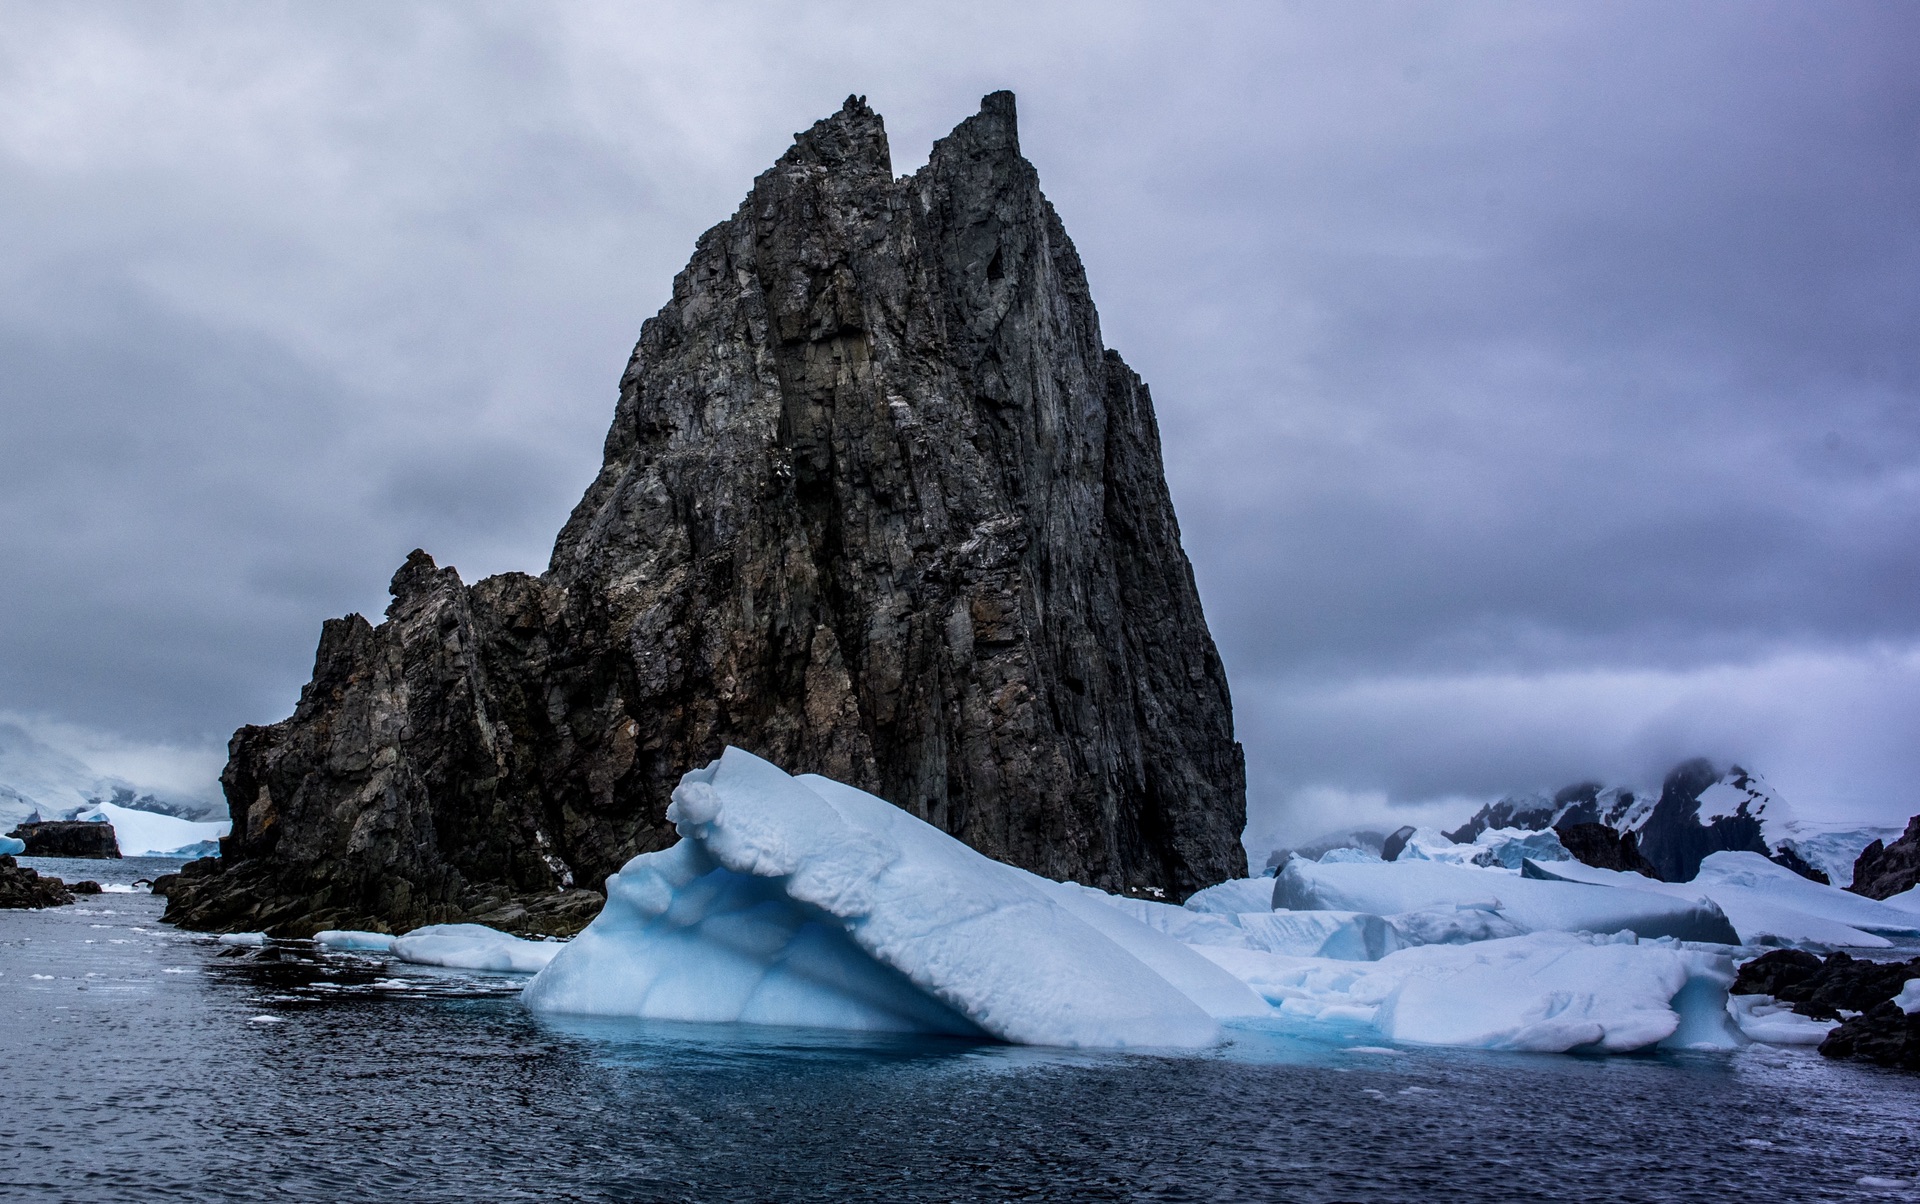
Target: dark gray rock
<point>876,503</point>
<point>1883,1035</point>
<point>67,838</point>
<point>1823,988</point>
<point>21,887</point>
<point>1601,846</point>
<point>1885,870</point>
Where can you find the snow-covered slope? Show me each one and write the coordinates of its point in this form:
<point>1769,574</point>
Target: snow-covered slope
<point>144,834</point>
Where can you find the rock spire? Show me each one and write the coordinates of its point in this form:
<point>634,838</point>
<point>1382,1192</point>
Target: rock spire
<point>876,503</point>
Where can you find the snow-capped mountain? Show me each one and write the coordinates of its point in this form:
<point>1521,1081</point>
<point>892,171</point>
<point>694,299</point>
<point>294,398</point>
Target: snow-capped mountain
<point>38,779</point>
<point>1699,809</point>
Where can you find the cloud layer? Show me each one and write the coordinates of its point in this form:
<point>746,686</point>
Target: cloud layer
<point>1538,383</point>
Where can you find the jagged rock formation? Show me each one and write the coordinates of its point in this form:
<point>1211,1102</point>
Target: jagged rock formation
<point>1885,870</point>
<point>876,503</point>
<point>1584,803</point>
<point>21,887</point>
<point>67,838</point>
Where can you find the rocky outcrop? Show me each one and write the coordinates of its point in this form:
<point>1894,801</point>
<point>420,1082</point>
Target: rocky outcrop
<point>1885,870</point>
<point>1601,846</point>
<point>1885,1035</point>
<point>876,503</point>
<point>1823,988</point>
<point>1858,993</point>
<point>22,887</point>
<point>67,838</point>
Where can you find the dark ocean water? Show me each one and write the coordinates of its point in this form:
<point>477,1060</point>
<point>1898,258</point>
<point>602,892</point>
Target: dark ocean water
<point>147,1064</point>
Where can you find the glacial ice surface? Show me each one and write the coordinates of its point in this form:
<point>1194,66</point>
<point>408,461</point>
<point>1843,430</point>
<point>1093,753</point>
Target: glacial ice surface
<point>1531,905</point>
<point>1544,992</point>
<point>801,901</point>
<point>1768,904</point>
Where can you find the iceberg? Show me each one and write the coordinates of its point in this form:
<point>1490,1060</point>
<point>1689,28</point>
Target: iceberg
<point>12,846</point>
<point>150,834</point>
<point>1533,905</point>
<point>1767,903</point>
<point>1241,894</point>
<point>470,947</point>
<point>1549,992</point>
<point>801,901</point>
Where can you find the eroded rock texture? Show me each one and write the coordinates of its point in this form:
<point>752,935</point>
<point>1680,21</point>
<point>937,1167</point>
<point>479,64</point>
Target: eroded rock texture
<point>876,503</point>
<point>1885,870</point>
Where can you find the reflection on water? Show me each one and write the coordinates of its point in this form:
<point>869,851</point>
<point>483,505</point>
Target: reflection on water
<point>145,1063</point>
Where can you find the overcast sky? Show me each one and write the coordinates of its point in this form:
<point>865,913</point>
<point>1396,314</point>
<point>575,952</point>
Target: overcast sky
<point>1540,384</point>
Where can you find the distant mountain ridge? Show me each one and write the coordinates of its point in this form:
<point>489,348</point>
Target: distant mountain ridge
<point>1700,809</point>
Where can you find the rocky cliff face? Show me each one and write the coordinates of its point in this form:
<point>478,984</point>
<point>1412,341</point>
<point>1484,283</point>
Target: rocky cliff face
<point>877,503</point>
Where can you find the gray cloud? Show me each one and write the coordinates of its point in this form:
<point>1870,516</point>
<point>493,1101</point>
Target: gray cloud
<point>1538,383</point>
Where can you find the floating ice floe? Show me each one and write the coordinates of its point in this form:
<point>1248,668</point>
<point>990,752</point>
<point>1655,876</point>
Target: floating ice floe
<point>244,939</point>
<point>1767,903</point>
<point>12,846</point>
<point>1908,1000</point>
<point>352,939</point>
<point>469,947</point>
<point>1544,992</point>
<point>148,834</point>
<point>801,901</point>
<point>1530,905</point>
